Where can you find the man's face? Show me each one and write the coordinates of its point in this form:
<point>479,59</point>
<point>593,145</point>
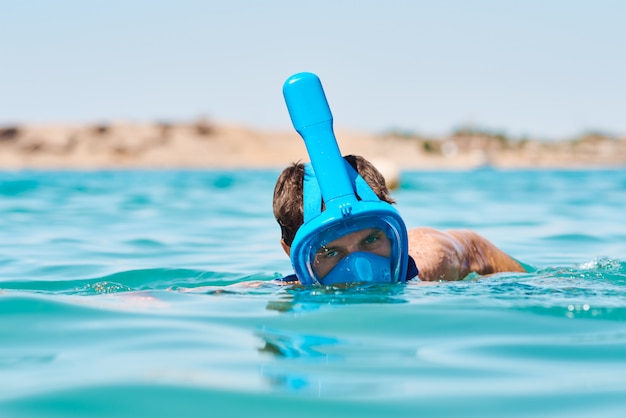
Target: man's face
<point>370,240</point>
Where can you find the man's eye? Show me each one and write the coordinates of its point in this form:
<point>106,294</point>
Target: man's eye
<point>330,253</point>
<point>325,253</point>
<point>371,239</point>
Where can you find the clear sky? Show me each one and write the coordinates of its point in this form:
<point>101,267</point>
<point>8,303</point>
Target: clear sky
<point>546,68</point>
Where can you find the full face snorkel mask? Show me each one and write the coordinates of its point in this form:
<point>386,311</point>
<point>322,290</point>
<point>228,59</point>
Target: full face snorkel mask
<point>352,240</point>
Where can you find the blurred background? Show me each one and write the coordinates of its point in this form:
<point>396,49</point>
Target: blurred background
<point>535,70</point>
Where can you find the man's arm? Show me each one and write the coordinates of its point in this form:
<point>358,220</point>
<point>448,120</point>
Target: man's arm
<point>452,255</point>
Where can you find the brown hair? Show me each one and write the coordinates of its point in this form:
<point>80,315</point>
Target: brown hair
<point>288,193</point>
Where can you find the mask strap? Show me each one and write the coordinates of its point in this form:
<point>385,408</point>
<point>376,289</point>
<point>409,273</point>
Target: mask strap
<point>311,194</point>
<point>363,190</point>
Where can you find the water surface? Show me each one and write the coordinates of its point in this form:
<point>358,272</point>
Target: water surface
<point>127,293</point>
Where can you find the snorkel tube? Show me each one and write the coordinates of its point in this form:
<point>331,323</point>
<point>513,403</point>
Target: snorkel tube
<point>339,185</point>
<point>312,119</point>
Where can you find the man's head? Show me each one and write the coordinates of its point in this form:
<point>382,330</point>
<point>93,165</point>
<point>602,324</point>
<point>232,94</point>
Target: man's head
<point>335,215</point>
<point>288,195</point>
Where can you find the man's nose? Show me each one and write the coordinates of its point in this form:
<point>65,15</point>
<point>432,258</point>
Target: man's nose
<point>353,248</point>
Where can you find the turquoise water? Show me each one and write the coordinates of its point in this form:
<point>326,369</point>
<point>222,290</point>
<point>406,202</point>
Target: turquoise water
<point>126,294</point>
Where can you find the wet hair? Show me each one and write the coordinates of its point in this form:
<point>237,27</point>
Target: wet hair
<point>288,193</point>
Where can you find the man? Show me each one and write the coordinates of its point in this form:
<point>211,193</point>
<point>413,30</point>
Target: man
<point>337,222</point>
<point>439,255</point>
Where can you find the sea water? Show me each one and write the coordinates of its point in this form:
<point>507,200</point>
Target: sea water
<point>151,293</point>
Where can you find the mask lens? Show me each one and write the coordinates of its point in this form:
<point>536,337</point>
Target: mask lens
<point>369,240</point>
<point>361,250</point>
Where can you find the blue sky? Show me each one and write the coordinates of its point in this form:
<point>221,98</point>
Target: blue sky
<point>549,69</point>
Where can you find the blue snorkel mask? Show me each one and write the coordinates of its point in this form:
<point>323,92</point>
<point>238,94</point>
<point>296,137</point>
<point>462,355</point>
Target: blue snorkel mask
<point>352,240</point>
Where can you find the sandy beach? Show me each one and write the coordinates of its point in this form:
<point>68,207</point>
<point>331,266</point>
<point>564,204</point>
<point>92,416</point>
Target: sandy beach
<point>207,144</point>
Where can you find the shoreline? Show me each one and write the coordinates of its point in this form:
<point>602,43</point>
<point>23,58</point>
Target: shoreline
<point>206,145</point>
